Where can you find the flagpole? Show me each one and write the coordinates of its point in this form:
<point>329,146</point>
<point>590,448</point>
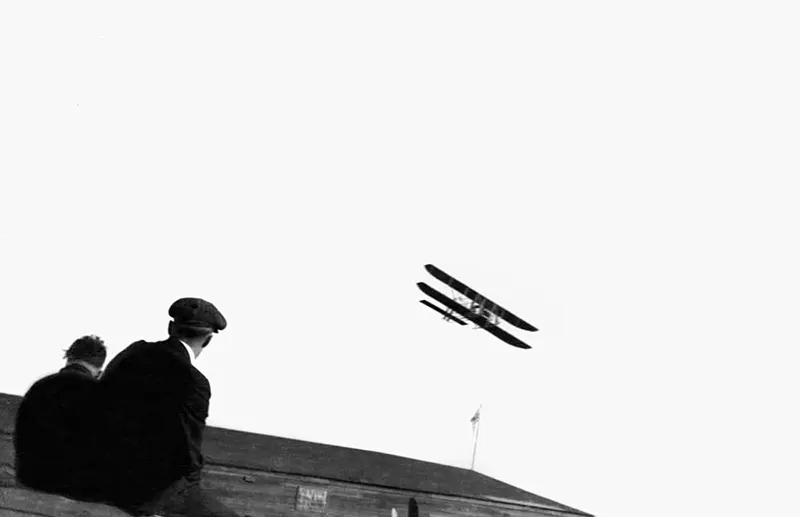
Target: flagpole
<point>477,420</point>
<point>475,446</point>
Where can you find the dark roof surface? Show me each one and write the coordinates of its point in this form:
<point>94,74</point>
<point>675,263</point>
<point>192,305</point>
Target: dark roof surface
<point>227,447</point>
<point>286,455</point>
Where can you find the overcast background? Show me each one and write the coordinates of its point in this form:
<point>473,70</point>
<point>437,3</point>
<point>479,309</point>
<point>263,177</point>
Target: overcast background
<point>621,175</point>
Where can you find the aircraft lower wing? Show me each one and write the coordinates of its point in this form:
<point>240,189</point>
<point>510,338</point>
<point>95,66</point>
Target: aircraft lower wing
<point>447,315</point>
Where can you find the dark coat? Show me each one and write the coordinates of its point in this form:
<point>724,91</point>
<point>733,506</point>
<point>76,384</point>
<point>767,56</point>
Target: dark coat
<point>56,424</point>
<point>156,407</point>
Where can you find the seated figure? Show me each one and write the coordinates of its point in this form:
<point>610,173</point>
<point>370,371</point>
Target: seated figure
<point>57,425</point>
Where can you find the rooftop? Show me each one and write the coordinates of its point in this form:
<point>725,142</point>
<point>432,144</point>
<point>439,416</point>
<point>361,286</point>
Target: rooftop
<point>226,447</point>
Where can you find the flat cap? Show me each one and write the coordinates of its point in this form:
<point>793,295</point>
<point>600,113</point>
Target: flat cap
<point>196,312</point>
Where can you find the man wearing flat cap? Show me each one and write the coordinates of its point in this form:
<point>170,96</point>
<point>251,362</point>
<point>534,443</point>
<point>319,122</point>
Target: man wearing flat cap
<point>157,404</point>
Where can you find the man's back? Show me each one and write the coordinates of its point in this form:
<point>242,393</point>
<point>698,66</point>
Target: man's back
<point>157,404</point>
<point>56,424</point>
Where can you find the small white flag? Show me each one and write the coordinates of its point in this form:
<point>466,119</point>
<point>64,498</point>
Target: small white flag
<point>476,418</point>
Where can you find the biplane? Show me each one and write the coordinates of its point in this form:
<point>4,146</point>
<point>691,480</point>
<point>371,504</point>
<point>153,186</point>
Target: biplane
<point>472,306</point>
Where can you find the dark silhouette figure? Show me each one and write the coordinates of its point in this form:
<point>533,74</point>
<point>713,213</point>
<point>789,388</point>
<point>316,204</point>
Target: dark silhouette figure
<point>57,423</point>
<point>413,508</point>
<point>157,407</point>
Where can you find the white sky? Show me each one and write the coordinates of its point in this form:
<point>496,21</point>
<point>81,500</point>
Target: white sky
<point>618,174</point>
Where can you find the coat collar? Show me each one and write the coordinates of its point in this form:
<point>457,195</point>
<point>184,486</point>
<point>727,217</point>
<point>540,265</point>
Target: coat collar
<point>188,351</point>
<point>183,349</point>
<point>77,368</point>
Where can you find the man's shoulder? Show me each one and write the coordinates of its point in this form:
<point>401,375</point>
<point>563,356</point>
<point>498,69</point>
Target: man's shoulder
<point>57,388</point>
<point>146,345</point>
<point>59,378</point>
<point>40,388</point>
<point>146,356</point>
<point>150,348</point>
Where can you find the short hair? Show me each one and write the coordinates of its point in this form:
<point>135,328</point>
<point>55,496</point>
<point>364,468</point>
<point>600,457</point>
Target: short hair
<point>87,348</point>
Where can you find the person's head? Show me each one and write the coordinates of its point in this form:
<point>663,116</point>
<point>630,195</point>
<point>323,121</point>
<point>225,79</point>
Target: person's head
<point>89,351</point>
<point>195,321</point>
